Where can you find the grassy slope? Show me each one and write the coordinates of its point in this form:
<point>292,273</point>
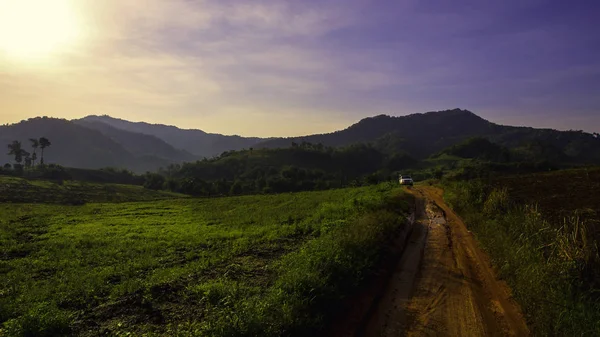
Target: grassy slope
<point>250,265</point>
<point>552,265</point>
<point>20,190</point>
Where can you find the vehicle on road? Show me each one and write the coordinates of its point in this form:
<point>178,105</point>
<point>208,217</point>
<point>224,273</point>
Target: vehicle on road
<point>406,180</point>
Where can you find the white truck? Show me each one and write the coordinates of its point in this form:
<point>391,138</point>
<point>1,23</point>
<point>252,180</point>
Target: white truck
<point>406,180</point>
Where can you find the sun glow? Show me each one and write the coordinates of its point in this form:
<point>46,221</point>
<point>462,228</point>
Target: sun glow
<point>35,29</point>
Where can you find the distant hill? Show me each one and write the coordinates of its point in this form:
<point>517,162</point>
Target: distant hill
<point>196,142</point>
<point>142,145</point>
<point>419,134</point>
<point>83,146</point>
<point>72,144</point>
<point>102,141</point>
<point>422,135</point>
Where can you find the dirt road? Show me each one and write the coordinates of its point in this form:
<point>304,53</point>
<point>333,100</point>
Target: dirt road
<point>443,284</point>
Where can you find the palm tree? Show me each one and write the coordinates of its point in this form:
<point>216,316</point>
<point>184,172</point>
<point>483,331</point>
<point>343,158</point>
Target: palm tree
<point>44,143</point>
<point>34,144</point>
<point>16,150</point>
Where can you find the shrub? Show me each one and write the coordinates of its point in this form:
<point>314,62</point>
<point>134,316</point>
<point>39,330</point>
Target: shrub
<point>497,202</point>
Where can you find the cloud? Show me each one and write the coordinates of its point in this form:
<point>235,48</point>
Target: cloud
<point>246,66</point>
<point>182,59</point>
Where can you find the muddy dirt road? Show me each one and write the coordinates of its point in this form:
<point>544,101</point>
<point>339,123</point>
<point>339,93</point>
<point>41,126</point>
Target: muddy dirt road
<point>443,284</point>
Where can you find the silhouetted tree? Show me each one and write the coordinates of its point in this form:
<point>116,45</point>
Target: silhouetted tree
<point>35,143</point>
<point>43,143</point>
<point>28,160</point>
<point>15,149</point>
<point>154,181</point>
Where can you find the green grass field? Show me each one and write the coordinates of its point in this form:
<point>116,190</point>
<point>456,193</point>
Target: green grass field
<point>19,190</point>
<point>252,265</point>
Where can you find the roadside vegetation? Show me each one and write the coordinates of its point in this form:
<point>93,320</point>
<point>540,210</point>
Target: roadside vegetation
<point>251,265</point>
<point>546,251</point>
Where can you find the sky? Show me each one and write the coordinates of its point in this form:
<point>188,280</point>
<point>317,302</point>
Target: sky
<point>289,68</point>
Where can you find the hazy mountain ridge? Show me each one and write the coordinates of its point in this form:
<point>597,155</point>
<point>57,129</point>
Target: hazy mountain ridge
<point>196,142</point>
<point>103,141</point>
<point>83,146</point>
<point>140,144</point>
<point>72,144</point>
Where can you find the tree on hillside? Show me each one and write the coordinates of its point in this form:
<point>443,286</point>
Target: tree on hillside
<point>44,143</point>
<point>28,160</point>
<point>35,143</point>
<point>15,149</point>
<point>154,181</point>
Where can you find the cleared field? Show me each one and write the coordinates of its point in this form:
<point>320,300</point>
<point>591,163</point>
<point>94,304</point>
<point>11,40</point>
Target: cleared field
<point>266,265</point>
<point>559,194</point>
<point>20,190</point>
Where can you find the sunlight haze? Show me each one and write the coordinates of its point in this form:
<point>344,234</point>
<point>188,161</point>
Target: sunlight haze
<point>34,29</point>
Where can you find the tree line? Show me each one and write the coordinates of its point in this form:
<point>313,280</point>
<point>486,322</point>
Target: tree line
<point>301,167</point>
<point>26,159</point>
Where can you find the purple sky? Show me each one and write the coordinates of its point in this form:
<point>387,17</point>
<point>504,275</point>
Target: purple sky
<point>283,68</point>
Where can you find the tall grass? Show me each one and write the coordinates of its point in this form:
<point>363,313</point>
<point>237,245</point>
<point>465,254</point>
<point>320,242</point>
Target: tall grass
<point>551,267</point>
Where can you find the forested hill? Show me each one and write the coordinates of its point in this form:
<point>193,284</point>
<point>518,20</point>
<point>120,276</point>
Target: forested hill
<point>140,144</point>
<point>422,135</point>
<point>88,146</point>
<point>419,134</point>
<point>97,142</point>
<point>197,142</point>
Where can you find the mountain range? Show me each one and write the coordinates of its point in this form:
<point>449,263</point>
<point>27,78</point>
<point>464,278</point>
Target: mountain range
<point>104,141</point>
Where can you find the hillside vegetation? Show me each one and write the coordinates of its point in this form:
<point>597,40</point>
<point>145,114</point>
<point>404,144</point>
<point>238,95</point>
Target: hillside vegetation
<point>477,148</point>
<point>101,141</point>
<point>239,266</point>
<point>307,166</point>
<point>300,168</point>
<point>422,135</point>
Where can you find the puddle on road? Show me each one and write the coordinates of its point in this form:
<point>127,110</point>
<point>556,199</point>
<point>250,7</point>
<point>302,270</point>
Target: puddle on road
<point>435,214</point>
